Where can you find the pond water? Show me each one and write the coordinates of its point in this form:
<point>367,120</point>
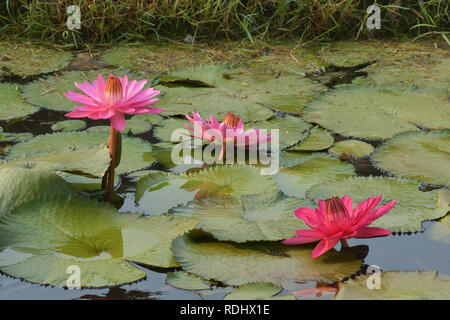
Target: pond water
<point>409,251</point>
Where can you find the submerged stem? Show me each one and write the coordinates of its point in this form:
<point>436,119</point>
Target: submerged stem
<point>112,166</point>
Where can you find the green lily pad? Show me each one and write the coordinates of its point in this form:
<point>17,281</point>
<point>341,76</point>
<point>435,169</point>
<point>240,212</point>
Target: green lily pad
<point>411,209</point>
<point>163,153</point>
<point>48,93</point>
<point>24,59</point>
<point>154,59</point>
<point>430,76</point>
<point>12,105</point>
<point>90,162</point>
<point>186,281</point>
<point>295,180</point>
<point>292,158</point>
<point>291,129</point>
<point>420,156</point>
<point>69,125</point>
<point>235,91</point>
<point>376,112</point>
<point>99,129</point>
<point>15,137</point>
<point>395,285</point>
<point>206,75</point>
<point>85,233</point>
<point>183,100</point>
<point>22,182</point>
<point>136,153</point>
<point>318,139</point>
<point>165,129</point>
<point>254,291</point>
<point>385,52</point>
<point>268,216</point>
<point>356,148</point>
<point>237,264</point>
<point>440,230</point>
<point>159,191</point>
<point>288,94</point>
<point>137,126</point>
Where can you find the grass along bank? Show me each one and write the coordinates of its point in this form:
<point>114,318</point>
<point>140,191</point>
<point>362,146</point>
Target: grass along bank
<point>130,20</point>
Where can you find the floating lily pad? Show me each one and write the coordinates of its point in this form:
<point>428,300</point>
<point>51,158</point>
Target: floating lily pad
<point>376,112</point>
<point>295,180</point>
<point>90,162</point>
<point>24,59</point>
<point>182,100</point>
<point>49,92</point>
<point>431,76</point>
<point>99,129</point>
<point>12,105</point>
<point>236,264</point>
<point>69,125</point>
<point>154,59</point>
<point>411,209</point>
<point>137,126</point>
<point>237,92</point>
<point>166,128</point>
<point>186,281</point>
<point>420,156</point>
<point>159,191</point>
<point>291,129</point>
<point>356,148</point>
<point>288,94</point>
<point>206,75</point>
<point>15,137</point>
<point>84,233</point>
<point>440,230</point>
<point>163,153</point>
<point>318,139</point>
<point>395,285</point>
<point>351,53</point>
<point>292,158</point>
<point>22,182</point>
<point>268,216</point>
<point>136,153</point>
<point>254,291</point>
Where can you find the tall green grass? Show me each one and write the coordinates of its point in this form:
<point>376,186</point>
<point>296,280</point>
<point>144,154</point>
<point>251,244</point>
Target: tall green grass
<point>110,21</point>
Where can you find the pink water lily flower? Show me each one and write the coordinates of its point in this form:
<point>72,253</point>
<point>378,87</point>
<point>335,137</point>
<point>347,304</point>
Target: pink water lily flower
<point>230,129</point>
<point>335,220</point>
<point>113,99</point>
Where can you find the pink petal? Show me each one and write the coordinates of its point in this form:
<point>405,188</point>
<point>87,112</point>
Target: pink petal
<point>118,121</point>
<point>368,232</point>
<point>309,235</point>
<point>306,236</point>
<point>78,114</point>
<point>382,210</point>
<point>136,89</point>
<point>348,204</point>
<point>305,211</point>
<point>91,108</point>
<point>101,85</point>
<point>323,246</point>
<point>89,89</point>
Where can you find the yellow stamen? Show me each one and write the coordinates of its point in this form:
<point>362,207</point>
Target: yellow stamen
<point>113,90</point>
<point>232,120</point>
